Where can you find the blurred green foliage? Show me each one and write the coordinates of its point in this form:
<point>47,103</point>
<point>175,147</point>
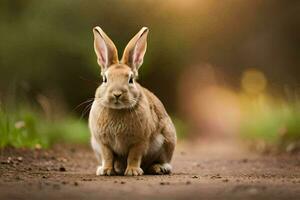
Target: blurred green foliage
<point>28,128</point>
<point>277,128</point>
<point>182,129</point>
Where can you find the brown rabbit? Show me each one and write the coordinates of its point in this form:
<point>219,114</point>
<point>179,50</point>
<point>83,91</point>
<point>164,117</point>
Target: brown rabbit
<point>131,131</point>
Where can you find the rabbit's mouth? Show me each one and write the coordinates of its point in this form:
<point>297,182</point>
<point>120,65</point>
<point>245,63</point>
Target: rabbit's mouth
<point>124,102</point>
<point>118,104</point>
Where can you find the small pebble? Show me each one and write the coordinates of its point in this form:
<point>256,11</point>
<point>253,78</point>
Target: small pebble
<point>217,176</point>
<point>164,183</point>
<point>87,179</point>
<point>188,182</point>
<point>20,159</point>
<point>9,160</point>
<point>62,169</point>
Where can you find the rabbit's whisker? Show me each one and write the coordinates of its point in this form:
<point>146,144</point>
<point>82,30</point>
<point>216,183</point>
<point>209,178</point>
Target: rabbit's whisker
<point>84,102</point>
<point>86,109</point>
<point>89,103</point>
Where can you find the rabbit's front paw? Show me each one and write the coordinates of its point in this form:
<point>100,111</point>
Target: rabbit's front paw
<point>133,171</point>
<point>105,171</point>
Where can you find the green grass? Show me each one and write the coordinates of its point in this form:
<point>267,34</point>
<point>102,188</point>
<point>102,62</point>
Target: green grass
<point>181,127</point>
<point>28,128</point>
<point>277,127</point>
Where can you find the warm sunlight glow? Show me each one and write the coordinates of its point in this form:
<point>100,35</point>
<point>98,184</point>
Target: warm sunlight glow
<point>253,81</point>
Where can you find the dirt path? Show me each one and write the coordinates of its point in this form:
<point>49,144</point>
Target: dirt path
<point>201,171</point>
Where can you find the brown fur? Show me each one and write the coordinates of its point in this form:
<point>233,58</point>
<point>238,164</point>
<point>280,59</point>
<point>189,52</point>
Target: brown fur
<point>135,134</point>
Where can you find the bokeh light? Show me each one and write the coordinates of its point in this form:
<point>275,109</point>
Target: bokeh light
<point>253,81</point>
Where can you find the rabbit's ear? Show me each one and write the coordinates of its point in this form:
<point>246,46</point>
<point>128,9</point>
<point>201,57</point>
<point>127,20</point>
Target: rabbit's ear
<point>105,49</point>
<point>135,50</point>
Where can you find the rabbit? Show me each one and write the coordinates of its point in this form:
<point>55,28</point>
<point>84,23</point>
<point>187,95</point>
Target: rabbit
<point>131,132</point>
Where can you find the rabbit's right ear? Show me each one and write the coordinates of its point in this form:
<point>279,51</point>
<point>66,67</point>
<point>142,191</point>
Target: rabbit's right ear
<point>105,49</point>
<point>135,50</point>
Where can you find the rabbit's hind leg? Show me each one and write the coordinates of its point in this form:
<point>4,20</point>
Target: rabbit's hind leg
<point>162,164</point>
<point>160,169</point>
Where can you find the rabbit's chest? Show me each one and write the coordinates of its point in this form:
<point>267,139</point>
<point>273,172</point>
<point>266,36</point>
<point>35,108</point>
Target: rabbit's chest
<point>120,129</point>
<point>120,135</point>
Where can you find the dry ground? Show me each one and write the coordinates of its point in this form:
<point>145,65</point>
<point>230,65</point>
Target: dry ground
<point>205,170</point>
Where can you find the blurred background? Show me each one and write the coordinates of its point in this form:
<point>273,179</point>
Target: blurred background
<point>223,69</point>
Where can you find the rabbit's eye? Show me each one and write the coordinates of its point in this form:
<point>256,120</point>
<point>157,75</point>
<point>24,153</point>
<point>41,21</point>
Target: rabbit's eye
<point>104,79</point>
<point>130,81</point>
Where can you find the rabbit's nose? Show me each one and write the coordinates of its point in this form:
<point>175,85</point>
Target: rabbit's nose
<point>117,95</point>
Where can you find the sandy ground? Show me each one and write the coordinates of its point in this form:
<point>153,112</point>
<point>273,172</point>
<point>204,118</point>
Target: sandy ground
<point>206,170</point>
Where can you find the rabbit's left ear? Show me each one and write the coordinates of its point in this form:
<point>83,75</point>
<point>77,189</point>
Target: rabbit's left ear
<point>135,50</point>
<point>105,49</point>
